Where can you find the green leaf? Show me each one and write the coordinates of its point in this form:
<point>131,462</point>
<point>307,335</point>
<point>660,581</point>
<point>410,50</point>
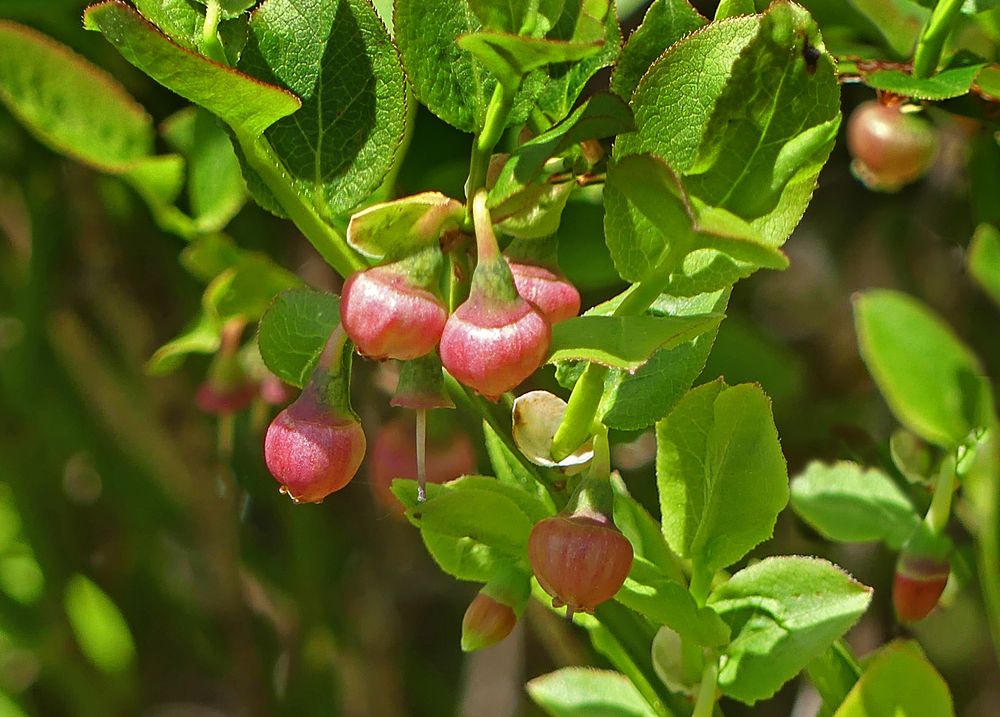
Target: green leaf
<point>665,22</point>
<point>238,99</point>
<point>930,379</point>
<point>586,692</point>
<point>98,626</point>
<point>337,56</point>
<point>666,602</point>
<point>643,532</point>
<point>183,22</point>
<point>21,576</point>
<point>625,342</point>
<point>784,612</point>
<point>733,8</point>
<point>158,179</point>
<point>471,508</point>
<point>216,189</point>
<point>848,504</point>
<point>293,331</point>
<point>463,558</point>
<point>201,335</point>
<point>758,160</point>
<point>682,224</point>
<point>540,212</point>
<point>510,57</point>
<point>984,260</point>
<point>565,81</point>
<point>899,22</point>
<point>602,115</point>
<point>899,680</point>
<point>637,400</point>
<point>402,226</point>
<point>509,470</point>
<point>70,105</point>
<point>721,474</point>
<point>950,82</point>
<point>447,79</point>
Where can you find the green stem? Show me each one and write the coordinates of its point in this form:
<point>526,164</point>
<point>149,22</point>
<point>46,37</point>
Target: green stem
<point>928,53</point>
<point>482,149</point>
<point>328,241</point>
<point>210,42</point>
<point>421,457</point>
<point>940,508</point>
<point>581,410</point>
<point>701,584</point>
<point>833,674</point>
<point>585,399</point>
<point>705,703</point>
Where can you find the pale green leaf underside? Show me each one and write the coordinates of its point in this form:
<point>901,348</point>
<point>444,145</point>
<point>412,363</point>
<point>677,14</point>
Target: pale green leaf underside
<point>848,504</point>
<point>930,379</point>
<point>624,342</point>
<point>337,57</point>
<point>784,612</point>
<point>238,99</point>
<point>665,602</point>
<point>70,105</point>
<point>586,692</point>
<point>899,680</point>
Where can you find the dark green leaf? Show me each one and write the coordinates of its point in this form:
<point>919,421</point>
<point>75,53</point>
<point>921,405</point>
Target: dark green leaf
<point>337,56</point>
<point>68,104</point>
<point>238,99</point>
<point>585,692</point>
<point>294,330</point>
<point>899,680</point>
<point>625,342</point>
<point>721,474</point>
<point>666,602</point>
<point>984,260</point>
<point>565,81</point>
<point>784,612</point>
<point>848,504</point>
<point>447,79</point>
<point>930,379</point>
<point>666,22</point>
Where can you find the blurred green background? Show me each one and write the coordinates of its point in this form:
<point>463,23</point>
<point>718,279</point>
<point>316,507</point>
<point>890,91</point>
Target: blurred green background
<point>144,572</point>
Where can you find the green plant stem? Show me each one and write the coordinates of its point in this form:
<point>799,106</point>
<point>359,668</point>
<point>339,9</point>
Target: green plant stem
<point>705,703</point>
<point>940,508</point>
<point>928,53</point>
<point>421,457</point>
<point>331,245</point>
<point>586,396</point>
<point>833,674</point>
<point>210,34</point>
<point>486,140</point>
<point>701,584</point>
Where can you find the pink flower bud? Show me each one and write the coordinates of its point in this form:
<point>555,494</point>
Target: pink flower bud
<point>387,316</point>
<point>580,561</point>
<point>311,453</point>
<point>917,585</point>
<point>486,622</point>
<point>493,345</point>
<point>552,293</point>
